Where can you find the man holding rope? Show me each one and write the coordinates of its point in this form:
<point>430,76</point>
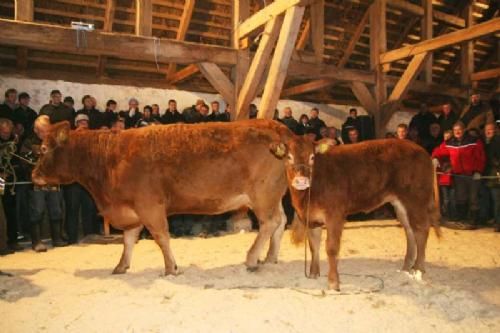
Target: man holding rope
<point>467,157</point>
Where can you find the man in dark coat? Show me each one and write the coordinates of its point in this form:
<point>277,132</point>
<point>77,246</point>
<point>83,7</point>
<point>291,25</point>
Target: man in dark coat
<point>447,118</point>
<point>422,122</point>
<point>316,123</point>
<point>132,115</point>
<point>56,110</point>
<point>9,105</point>
<point>289,120</point>
<point>97,119</point>
<point>172,116</point>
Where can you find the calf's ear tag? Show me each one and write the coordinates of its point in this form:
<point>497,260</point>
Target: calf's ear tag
<point>322,148</point>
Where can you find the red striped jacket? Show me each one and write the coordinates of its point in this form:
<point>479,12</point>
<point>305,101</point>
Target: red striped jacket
<point>466,156</point>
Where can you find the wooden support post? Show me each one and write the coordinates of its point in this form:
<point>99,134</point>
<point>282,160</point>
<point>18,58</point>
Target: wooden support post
<point>181,32</point>
<point>257,68</point>
<point>281,59</point>
<point>318,28</point>
<point>109,17</point>
<point>184,73</point>
<point>426,29</point>
<point>409,75</point>
<point>218,80</point>
<point>304,36</point>
<point>241,12</point>
<point>354,40</point>
<point>274,9</point>
<point>144,17</point>
<point>378,45</point>
<point>23,11</point>
<point>467,50</point>
<point>363,95</point>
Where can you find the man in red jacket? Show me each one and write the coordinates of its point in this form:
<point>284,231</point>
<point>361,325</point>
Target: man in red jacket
<point>468,160</point>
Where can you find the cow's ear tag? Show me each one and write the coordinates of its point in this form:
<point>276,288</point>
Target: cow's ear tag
<point>322,148</point>
<point>280,150</point>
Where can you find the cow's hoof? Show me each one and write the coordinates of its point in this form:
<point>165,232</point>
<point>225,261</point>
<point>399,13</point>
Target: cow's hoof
<point>252,269</point>
<point>172,271</point>
<point>261,262</point>
<point>313,276</point>
<point>120,270</point>
<point>333,286</point>
<point>271,261</point>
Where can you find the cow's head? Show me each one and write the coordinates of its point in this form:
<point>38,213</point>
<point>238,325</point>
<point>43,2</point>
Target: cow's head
<point>298,154</point>
<point>52,166</point>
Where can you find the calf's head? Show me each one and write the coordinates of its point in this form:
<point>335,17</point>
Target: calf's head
<point>52,166</point>
<point>298,154</point>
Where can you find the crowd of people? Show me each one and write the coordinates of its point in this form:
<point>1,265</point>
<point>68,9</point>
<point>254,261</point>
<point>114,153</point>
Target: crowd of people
<point>465,148</point>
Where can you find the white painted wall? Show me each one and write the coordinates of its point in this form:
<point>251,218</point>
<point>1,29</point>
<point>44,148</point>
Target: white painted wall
<point>39,90</point>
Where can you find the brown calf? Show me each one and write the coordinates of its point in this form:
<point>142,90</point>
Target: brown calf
<point>355,178</point>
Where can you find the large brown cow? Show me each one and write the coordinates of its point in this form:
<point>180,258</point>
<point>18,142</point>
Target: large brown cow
<point>355,178</point>
<point>138,177</point>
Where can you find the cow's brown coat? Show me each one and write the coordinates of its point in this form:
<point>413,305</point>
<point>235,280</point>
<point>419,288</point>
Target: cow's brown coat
<point>138,177</point>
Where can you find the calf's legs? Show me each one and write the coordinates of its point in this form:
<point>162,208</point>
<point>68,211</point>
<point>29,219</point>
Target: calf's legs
<point>314,245</point>
<point>334,228</point>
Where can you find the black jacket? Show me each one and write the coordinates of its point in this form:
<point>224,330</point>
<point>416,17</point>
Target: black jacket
<point>97,119</point>
<point>316,124</point>
<point>422,121</point>
<point>291,123</point>
<point>26,116</point>
<point>7,112</point>
<point>224,116</point>
<point>447,123</point>
<point>130,121</point>
<point>171,117</point>
<point>58,113</point>
<point>492,168</point>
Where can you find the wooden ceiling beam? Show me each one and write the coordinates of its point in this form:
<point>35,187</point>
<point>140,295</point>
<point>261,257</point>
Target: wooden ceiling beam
<point>187,13</point>
<point>354,39</point>
<point>489,27</point>
<point>418,10</point>
<point>260,18</point>
<point>307,87</point>
<point>306,70</point>
<point>486,74</point>
<point>62,39</point>
<point>184,73</point>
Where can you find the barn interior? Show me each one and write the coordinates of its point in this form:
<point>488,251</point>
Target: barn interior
<point>384,57</point>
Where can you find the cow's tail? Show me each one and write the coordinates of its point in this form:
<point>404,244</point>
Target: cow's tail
<point>434,211</point>
<point>298,231</point>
